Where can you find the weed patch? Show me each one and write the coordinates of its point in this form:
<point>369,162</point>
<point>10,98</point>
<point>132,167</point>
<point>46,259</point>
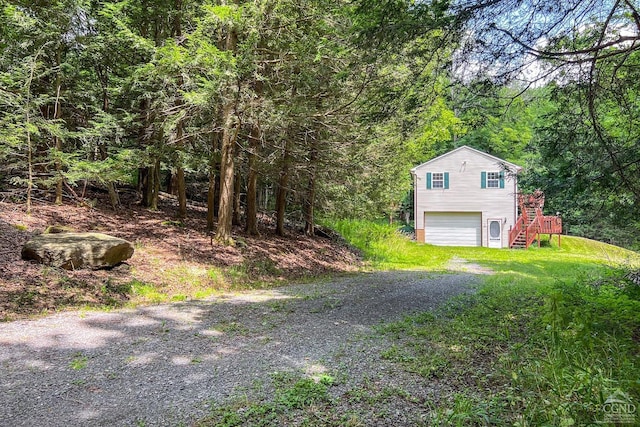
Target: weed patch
<point>78,362</point>
<point>296,400</point>
<point>147,292</point>
<point>527,354</point>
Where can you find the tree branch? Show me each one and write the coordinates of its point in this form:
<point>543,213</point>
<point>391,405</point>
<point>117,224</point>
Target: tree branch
<point>546,54</point>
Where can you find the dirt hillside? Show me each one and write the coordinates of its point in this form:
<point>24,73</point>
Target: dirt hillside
<point>176,257</point>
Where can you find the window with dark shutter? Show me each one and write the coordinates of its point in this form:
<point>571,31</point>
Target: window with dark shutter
<point>437,180</point>
<point>492,180</point>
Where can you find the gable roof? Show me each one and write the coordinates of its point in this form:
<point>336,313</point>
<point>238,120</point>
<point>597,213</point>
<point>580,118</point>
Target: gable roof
<point>473,150</point>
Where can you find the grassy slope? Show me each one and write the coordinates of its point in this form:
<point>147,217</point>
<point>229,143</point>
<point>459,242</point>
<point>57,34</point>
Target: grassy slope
<point>545,341</point>
<point>387,249</point>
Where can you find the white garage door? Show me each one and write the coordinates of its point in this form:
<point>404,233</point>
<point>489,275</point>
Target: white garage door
<point>452,228</point>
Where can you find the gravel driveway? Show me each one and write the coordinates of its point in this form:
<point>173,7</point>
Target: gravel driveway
<point>165,365</point>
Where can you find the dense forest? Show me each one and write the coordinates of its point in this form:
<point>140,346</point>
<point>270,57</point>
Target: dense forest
<point>311,107</point>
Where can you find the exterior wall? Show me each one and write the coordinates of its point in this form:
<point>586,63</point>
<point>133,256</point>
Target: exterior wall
<point>465,167</point>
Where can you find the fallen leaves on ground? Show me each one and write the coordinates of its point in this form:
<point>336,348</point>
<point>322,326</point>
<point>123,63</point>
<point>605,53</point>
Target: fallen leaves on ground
<point>176,257</point>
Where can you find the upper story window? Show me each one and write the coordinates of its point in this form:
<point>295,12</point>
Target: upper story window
<point>437,180</point>
<point>492,180</point>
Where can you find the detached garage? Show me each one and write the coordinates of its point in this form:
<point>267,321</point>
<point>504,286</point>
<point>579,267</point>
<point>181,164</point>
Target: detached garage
<point>465,198</point>
<point>453,228</point>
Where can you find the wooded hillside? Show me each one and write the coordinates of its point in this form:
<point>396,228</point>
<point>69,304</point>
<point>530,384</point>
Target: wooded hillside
<point>298,106</point>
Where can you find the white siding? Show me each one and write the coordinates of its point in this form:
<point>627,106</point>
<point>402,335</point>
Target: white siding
<point>453,228</point>
<point>465,194</point>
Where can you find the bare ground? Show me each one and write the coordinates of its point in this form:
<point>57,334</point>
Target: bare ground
<point>177,257</point>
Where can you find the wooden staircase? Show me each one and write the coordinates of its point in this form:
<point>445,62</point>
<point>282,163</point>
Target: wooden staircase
<point>531,222</point>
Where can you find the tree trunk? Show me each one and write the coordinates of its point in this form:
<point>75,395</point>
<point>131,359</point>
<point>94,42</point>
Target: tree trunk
<point>145,175</point>
<point>29,161</point>
<point>57,142</point>
<point>309,224</point>
<point>27,119</point>
<point>252,182</point>
<point>309,201</point>
<point>111,188</point>
<point>236,200</point>
<point>181,185</point>
<point>172,184</point>
<point>211,193</point>
<point>156,186</point>
<point>59,179</point>
<point>227,164</point>
<point>114,198</point>
<point>182,193</point>
<point>264,197</point>
<point>151,185</point>
<point>283,182</point>
<point>229,135</point>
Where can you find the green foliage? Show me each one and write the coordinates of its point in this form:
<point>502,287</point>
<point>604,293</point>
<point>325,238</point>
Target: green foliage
<point>537,355</point>
<point>499,119</point>
<point>385,247</point>
<point>589,349</point>
<point>147,292</point>
<point>293,396</point>
<point>346,97</point>
<point>586,141</point>
<point>304,392</point>
<point>78,362</point>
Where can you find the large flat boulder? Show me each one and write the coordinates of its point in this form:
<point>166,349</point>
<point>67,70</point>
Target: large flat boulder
<point>77,250</point>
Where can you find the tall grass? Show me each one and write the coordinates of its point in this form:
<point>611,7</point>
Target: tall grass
<point>386,248</point>
<point>547,338</point>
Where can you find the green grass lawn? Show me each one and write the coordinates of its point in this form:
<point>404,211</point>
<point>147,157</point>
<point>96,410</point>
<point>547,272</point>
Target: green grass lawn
<point>546,339</point>
<point>387,249</point>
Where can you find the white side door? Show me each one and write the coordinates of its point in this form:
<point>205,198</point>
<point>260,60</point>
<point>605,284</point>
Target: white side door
<point>494,227</point>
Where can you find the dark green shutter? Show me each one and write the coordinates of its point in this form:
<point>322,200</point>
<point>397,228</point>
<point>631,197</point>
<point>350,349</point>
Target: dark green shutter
<point>446,180</point>
<point>428,180</point>
<point>483,180</point>
<point>502,179</point>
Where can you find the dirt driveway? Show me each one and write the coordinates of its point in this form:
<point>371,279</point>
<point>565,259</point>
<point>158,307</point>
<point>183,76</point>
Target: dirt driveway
<point>167,364</point>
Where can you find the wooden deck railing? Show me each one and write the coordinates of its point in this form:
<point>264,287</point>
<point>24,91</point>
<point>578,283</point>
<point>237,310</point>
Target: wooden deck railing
<point>532,222</point>
<point>550,225</point>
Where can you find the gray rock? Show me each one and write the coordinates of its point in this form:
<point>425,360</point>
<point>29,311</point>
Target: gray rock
<point>77,250</point>
<point>53,229</point>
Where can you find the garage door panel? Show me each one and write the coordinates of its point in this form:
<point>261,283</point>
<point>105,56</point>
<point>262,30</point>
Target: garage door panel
<point>453,228</point>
